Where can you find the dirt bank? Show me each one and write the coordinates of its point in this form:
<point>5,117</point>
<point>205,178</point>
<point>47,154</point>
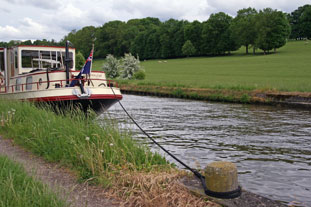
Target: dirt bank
<point>289,99</point>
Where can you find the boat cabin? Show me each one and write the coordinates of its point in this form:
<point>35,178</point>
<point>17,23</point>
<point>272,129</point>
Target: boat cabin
<point>18,65</point>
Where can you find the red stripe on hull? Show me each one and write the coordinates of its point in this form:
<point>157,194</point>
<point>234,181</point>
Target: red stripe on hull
<point>73,97</point>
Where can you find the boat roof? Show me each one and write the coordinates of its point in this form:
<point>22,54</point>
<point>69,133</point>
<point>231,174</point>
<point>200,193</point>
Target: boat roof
<point>44,46</point>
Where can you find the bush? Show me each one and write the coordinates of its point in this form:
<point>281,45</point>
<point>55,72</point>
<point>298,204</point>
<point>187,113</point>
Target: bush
<point>130,66</point>
<point>112,67</point>
<point>140,75</point>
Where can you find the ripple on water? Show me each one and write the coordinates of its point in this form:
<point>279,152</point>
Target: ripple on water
<point>271,146</point>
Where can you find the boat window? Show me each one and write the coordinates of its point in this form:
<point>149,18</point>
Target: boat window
<point>61,58</point>
<point>1,61</point>
<point>16,59</point>
<point>18,84</point>
<point>27,58</point>
<point>29,83</point>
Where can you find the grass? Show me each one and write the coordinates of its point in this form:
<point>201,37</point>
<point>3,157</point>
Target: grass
<point>100,154</point>
<point>287,70</point>
<point>76,140</point>
<point>98,64</point>
<point>18,189</point>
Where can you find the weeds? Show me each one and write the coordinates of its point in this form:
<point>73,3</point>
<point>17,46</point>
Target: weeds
<point>101,154</point>
<point>18,189</point>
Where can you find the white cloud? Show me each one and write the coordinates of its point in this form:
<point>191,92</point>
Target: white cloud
<point>44,4</point>
<point>37,19</point>
<point>24,31</point>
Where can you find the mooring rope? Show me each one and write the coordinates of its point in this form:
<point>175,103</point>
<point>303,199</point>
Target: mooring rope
<point>225,195</point>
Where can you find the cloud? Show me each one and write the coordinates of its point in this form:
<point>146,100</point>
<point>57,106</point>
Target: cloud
<point>27,29</point>
<point>37,19</point>
<point>55,4</point>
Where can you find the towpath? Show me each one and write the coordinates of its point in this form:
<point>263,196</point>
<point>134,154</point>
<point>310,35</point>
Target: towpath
<point>57,178</point>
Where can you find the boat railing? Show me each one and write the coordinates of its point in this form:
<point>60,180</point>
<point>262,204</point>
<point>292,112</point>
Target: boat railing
<point>58,84</point>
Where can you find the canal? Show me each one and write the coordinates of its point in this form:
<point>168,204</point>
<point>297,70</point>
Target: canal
<point>269,145</point>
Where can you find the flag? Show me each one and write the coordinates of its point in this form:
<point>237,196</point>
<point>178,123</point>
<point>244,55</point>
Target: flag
<point>88,64</point>
<point>86,69</point>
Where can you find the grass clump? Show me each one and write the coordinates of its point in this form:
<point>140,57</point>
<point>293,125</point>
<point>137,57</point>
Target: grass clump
<point>18,189</point>
<point>101,154</point>
<point>76,140</point>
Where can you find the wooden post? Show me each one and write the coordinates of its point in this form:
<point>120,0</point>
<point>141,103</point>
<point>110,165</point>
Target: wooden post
<point>221,176</point>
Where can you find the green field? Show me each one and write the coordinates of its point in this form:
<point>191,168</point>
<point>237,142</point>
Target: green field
<point>287,70</point>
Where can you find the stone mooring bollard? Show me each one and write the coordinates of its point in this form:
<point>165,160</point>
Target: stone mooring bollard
<point>221,176</point>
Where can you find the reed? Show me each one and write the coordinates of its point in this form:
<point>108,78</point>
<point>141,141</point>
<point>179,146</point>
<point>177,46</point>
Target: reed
<point>18,189</point>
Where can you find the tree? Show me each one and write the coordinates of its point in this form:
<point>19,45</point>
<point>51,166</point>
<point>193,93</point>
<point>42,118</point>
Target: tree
<point>300,21</point>
<point>109,39</point>
<point>243,27</point>
<point>188,49</point>
<point>112,67</point>
<point>217,36</point>
<point>273,29</point>
<point>305,22</point>
<point>80,60</point>
<point>192,32</point>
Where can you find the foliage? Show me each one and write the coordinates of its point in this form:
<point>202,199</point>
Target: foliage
<point>217,35</point>
<point>112,67</point>
<point>188,49</point>
<point>82,39</point>
<point>140,75</point>
<point>300,21</point>
<point>192,32</point>
<point>18,189</point>
<point>273,29</point>
<point>80,61</point>
<point>130,65</point>
<point>149,38</point>
<point>243,27</point>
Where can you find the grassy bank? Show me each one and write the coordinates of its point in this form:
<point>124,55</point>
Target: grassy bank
<point>18,189</point>
<point>229,78</point>
<point>101,154</point>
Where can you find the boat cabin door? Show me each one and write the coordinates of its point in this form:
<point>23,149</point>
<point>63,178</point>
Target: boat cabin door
<point>2,69</point>
<point>4,73</point>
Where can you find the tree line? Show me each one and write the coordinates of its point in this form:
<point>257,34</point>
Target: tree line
<point>149,38</point>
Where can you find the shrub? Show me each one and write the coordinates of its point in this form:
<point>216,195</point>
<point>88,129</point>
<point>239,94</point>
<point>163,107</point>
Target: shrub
<point>130,65</point>
<point>140,75</point>
<point>112,67</point>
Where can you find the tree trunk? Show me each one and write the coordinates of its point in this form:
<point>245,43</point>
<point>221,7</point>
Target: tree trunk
<point>254,50</point>
<point>274,50</point>
<point>246,46</point>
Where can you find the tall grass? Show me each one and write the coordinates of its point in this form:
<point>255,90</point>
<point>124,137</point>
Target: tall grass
<point>76,140</point>
<point>102,154</point>
<point>18,189</point>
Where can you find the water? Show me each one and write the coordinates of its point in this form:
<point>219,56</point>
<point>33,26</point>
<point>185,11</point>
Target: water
<point>270,146</point>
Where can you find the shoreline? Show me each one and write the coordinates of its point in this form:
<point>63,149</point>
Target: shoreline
<point>300,100</point>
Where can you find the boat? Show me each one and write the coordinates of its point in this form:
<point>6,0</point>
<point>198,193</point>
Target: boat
<point>47,74</point>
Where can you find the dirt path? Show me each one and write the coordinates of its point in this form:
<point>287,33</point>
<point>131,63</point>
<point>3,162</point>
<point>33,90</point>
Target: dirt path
<point>59,179</point>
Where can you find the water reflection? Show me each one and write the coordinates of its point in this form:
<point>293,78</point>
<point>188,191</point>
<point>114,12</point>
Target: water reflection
<point>271,146</point>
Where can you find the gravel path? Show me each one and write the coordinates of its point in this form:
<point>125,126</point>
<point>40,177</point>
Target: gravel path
<point>57,178</point>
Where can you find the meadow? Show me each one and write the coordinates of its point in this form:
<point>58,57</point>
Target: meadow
<point>286,70</point>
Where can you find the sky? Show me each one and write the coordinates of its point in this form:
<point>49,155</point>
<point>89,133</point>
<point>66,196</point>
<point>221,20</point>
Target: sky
<point>53,19</point>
